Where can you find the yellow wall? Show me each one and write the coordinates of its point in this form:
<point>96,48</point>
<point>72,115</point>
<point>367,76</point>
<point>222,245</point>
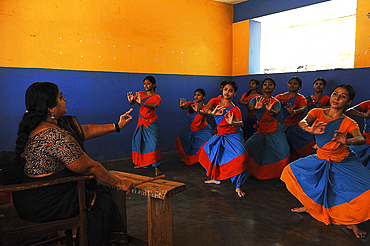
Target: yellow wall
<point>156,36</point>
<point>362,51</point>
<point>240,60</point>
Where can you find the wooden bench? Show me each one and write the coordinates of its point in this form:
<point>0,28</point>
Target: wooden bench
<point>159,195</point>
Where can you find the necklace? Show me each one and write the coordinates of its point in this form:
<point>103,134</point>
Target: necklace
<point>314,99</point>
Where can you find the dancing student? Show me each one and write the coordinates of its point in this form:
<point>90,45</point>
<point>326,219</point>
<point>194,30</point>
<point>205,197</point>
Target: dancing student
<point>145,148</point>
<point>47,148</point>
<point>223,156</point>
<point>332,185</point>
<point>267,149</point>
<point>318,100</point>
<point>199,131</point>
<point>222,84</point>
<point>294,107</point>
<point>251,120</point>
<point>362,151</point>
<point>213,101</point>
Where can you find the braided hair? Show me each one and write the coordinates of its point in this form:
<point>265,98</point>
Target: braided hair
<point>40,97</point>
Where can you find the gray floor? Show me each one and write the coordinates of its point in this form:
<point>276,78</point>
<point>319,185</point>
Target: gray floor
<point>207,214</point>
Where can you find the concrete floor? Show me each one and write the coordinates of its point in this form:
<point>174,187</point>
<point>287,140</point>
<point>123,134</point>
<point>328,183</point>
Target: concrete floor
<point>213,215</point>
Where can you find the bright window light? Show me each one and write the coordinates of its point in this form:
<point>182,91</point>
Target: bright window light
<point>316,37</point>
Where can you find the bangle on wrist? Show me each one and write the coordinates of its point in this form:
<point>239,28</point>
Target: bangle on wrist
<point>294,112</point>
<point>305,128</point>
<point>116,127</point>
<point>121,183</point>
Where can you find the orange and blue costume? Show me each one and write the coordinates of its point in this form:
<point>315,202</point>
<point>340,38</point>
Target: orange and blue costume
<point>301,143</point>
<point>145,148</point>
<point>267,149</point>
<point>251,120</point>
<point>332,185</point>
<point>363,151</point>
<point>223,156</point>
<point>191,140</point>
<point>324,101</point>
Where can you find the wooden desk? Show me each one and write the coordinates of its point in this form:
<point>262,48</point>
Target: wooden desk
<point>159,204</point>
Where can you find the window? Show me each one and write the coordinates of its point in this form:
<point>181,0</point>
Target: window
<point>316,37</point>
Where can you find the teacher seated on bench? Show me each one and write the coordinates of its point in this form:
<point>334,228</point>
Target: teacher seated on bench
<point>49,146</point>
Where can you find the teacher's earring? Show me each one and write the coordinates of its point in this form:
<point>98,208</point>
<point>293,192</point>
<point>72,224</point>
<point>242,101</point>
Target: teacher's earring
<point>52,116</point>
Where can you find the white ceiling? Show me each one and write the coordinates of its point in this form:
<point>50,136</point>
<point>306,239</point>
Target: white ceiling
<point>231,1</point>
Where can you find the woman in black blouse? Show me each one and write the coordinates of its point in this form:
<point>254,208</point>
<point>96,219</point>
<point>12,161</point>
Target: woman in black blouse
<point>45,151</point>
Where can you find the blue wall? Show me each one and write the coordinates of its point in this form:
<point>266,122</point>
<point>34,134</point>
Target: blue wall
<point>257,8</point>
<point>100,97</point>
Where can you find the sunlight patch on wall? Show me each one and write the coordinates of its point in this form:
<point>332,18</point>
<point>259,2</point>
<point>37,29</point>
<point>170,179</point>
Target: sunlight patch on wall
<point>316,37</point>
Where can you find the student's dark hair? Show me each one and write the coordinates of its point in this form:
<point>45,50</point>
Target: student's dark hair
<point>271,79</point>
<point>299,80</point>
<point>255,81</point>
<point>152,80</point>
<point>321,79</point>
<point>223,83</point>
<point>40,96</point>
<point>233,84</point>
<point>201,91</point>
<point>349,88</point>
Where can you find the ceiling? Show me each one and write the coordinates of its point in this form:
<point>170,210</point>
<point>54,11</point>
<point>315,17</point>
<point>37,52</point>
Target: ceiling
<point>231,1</point>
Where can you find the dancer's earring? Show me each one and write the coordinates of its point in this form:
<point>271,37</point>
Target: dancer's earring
<point>52,115</point>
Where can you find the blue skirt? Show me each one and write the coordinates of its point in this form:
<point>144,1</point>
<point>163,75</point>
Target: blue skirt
<point>189,144</point>
<point>363,153</point>
<point>332,192</point>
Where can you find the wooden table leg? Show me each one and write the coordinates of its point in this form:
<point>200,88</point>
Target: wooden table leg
<point>160,222</point>
<point>120,199</point>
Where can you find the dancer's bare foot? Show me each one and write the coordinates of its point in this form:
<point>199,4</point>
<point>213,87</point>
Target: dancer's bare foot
<point>299,210</point>
<point>212,181</point>
<point>358,233</point>
<point>240,192</point>
<point>157,172</point>
<point>138,167</point>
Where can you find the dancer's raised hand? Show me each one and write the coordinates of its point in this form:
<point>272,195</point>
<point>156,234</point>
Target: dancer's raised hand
<point>183,102</point>
<point>289,108</point>
<point>130,97</point>
<point>219,110</point>
<point>138,98</point>
<point>259,103</point>
<point>339,137</point>
<point>318,127</point>
<point>229,117</point>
